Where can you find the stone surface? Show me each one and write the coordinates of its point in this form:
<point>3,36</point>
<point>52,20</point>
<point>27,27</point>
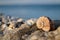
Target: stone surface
<point>40,35</point>
<point>16,33</point>
<point>26,33</point>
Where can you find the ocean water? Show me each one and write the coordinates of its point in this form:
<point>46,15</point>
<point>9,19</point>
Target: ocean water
<point>31,11</point>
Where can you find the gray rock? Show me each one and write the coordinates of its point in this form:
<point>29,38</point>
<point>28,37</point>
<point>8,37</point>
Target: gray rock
<point>12,34</point>
<point>40,35</point>
<point>16,33</point>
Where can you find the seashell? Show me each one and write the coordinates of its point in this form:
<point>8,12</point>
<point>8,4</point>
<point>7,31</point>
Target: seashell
<point>45,23</point>
<point>30,22</point>
<point>20,20</point>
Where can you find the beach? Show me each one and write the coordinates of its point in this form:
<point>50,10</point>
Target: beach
<point>43,28</point>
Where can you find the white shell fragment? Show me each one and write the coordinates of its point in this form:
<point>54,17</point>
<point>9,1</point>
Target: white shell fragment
<point>20,20</point>
<point>31,22</point>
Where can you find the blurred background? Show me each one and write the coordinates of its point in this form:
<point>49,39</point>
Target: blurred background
<point>31,8</point>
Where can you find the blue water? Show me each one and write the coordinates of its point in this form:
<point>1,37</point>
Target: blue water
<point>31,11</point>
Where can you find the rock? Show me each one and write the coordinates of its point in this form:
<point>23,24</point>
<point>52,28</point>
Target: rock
<point>12,35</point>
<point>18,24</point>
<point>0,23</point>
<point>45,23</point>
<point>58,30</point>
<point>7,30</point>
<point>11,26</point>
<point>56,33</point>
<point>57,37</point>
<point>15,33</point>
<point>40,35</point>
<point>34,36</point>
<point>25,36</point>
<point>1,37</point>
<point>24,28</point>
<point>3,27</point>
<point>32,29</point>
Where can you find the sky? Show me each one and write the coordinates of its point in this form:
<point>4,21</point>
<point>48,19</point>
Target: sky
<point>24,2</point>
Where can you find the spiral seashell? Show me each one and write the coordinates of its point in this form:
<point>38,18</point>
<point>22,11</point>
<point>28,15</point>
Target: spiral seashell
<point>44,23</point>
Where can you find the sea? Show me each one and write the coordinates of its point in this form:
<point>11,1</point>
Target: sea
<point>31,11</point>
